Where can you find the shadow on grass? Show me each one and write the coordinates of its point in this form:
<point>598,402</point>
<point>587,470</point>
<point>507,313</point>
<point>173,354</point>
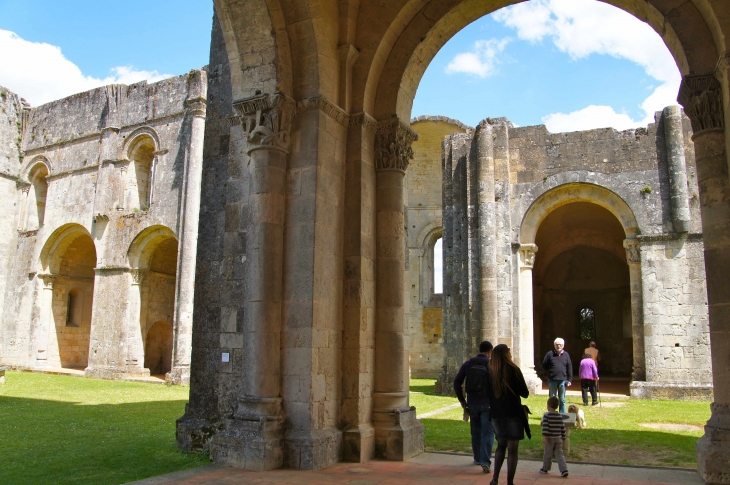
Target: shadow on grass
<point>648,448</point>
<point>426,389</point>
<point>45,441</point>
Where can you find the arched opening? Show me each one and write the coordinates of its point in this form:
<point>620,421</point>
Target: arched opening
<point>158,348</point>
<point>153,257</point>
<point>580,285</point>
<point>36,204</point>
<point>140,174</point>
<point>73,296</point>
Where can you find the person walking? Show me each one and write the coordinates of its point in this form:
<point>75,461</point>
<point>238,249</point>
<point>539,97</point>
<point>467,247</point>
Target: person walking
<point>553,435</point>
<point>508,416</point>
<point>588,373</point>
<point>593,352</point>
<point>478,388</point>
<point>560,371</point>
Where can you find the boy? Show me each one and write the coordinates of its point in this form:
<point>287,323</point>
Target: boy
<point>553,434</point>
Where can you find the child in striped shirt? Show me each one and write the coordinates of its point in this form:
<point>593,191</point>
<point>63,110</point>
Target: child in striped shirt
<point>553,434</point>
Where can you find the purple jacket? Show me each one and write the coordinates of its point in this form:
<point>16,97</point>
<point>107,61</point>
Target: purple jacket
<point>588,369</point>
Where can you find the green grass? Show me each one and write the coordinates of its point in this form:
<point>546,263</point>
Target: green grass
<point>613,434</point>
<point>70,430</point>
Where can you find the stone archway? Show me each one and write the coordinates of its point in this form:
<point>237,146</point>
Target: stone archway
<point>62,331</point>
<point>300,272</point>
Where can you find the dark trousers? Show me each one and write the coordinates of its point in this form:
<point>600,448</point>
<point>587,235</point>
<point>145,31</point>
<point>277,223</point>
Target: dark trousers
<point>482,433</point>
<point>587,385</point>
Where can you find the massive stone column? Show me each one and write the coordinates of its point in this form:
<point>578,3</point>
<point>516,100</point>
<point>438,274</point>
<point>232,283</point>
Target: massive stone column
<point>674,141</point>
<point>253,438</point>
<point>702,98</point>
<point>133,330</point>
<point>487,263</point>
<point>45,320</point>
<point>633,258</point>
<point>526,357</point>
<point>188,240</point>
<point>398,435</point>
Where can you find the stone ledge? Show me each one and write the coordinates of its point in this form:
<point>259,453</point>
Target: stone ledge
<point>677,391</point>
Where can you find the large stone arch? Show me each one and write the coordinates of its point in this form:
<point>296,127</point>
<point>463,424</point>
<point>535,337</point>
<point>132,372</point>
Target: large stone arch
<point>576,192</point>
<point>306,264</point>
<point>54,247</point>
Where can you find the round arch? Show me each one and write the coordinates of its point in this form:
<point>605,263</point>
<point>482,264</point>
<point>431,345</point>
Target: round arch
<point>430,233</point>
<point>144,244</point>
<point>137,136</point>
<point>55,246</point>
<point>421,28</point>
<point>30,167</point>
<point>576,192</point>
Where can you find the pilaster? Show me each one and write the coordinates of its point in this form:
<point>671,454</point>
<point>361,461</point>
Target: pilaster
<point>526,357</point>
<point>633,258</point>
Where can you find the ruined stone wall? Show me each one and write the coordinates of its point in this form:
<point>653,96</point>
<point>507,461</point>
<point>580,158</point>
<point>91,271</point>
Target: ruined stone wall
<point>86,145</point>
<point>423,187</point>
<point>499,179</point>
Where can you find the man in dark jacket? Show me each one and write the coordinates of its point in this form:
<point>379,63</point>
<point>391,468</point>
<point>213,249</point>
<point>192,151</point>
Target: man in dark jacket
<point>478,384</point>
<point>560,371</point>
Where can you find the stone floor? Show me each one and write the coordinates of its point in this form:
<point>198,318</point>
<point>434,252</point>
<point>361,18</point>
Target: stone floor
<point>428,469</point>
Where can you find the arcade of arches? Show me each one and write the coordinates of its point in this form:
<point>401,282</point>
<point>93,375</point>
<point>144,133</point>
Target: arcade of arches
<point>300,341</point>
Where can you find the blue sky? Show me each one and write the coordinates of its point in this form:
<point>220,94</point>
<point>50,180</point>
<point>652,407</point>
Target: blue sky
<point>571,64</point>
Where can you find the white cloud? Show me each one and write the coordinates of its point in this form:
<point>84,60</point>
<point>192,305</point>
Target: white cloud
<point>481,60</point>
<point>40,73</point>
<point>584,27</point>
<point>587,119</point>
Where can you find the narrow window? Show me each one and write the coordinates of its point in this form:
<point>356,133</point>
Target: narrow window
<point>73,309</point>
<point>587,323</point>
<point>438,267</point>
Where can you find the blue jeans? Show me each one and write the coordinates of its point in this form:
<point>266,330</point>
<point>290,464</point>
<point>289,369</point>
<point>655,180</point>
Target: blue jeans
<point>557,387</point>
<point>482,433</point>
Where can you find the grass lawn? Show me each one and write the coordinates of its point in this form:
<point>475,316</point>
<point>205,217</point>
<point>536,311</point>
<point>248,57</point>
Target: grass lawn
<point>70,430</point>
<point>613,434</point>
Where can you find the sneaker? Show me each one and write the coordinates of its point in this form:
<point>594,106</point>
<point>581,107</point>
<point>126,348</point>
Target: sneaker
<point>564,474</point>
<point>486,469</point>
<point>543,471</point>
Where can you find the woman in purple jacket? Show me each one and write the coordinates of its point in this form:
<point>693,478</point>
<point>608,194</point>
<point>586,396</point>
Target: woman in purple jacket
<point>588,373</point>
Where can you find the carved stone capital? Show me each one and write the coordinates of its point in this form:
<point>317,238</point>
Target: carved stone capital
<point>701,97</point>
<point>633,251</point>
<point>48,280</point>
<point>324,105</point>
<point>196,107</point>
<point>138,276</point>
<point>527,255</point>
<point>393,145</point>
<point>266,121</point>
<point>25,187</point>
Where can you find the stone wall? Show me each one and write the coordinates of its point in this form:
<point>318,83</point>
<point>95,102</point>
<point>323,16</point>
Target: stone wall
<point>500,183</point>
<point>79,159</point>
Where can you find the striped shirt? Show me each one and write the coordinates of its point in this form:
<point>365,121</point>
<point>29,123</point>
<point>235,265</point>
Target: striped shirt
<point>552,425</point>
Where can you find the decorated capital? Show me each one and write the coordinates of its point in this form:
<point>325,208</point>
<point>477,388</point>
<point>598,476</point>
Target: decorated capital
<point>393,145</point>
<point>266,121</point>
<point>701,98</point>
<point>633,251</point>
<point>527,255</point>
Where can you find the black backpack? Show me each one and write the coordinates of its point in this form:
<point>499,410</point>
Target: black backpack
<point>477,379</point>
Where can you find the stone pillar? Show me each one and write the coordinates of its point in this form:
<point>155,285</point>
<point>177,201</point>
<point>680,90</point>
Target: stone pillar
<point>45,320</point>
<point>674,141</point>
<point>253,440</point>
<point>398,435</point>
<point>133,331</point>
<point>702,98</point>
<point>487,265</point>
<point>633,258</point>
<point>22,219</point>
<point>188,243</point>
<point>526,357</point>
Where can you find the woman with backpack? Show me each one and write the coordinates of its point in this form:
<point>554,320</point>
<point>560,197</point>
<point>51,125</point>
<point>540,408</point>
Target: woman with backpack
<point>508,415</point>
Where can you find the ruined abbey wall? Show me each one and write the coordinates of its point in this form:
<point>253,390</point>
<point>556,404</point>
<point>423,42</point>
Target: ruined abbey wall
<point>636,193</point>
<point>99,208</point>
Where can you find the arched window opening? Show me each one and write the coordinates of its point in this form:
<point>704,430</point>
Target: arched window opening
<point>438,267</point>
<point>140,174</point>
<point>587,323</point>
<point>36,208</point>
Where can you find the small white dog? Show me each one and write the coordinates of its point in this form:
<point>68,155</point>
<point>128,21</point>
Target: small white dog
<point>580,417</point>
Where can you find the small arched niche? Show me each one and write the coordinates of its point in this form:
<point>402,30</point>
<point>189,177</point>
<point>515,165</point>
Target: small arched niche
<point>36,208</point>
<point>140,173</point>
